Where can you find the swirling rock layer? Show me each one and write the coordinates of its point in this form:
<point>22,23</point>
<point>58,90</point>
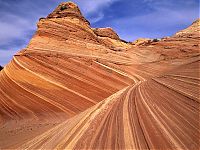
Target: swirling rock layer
<point>152,114</point>
<point>71,88</point>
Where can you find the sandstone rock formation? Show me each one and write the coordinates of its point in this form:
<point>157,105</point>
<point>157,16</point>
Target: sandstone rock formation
<point>106,32</point>
<point>190,32</point>
<point>142,41</point>
<point>68,9</point>
<point>74,87</point>
<point>109,38</point>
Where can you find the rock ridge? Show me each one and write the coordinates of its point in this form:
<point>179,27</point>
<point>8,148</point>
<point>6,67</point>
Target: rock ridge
<point>106,32</point>
<point>68,9</point>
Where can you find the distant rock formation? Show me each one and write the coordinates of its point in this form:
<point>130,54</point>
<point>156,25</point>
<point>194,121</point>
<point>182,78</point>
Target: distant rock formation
<point>106,32</point>
<point>190,32</point>
<point>142,41</point>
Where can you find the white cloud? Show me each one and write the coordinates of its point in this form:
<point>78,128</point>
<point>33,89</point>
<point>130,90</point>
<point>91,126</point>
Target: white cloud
<point>166,17</point>
<point>94,7</point>
<point>163,21</point>
<point>13,27</point>
<point>97,18</point>
<point>16,24</point>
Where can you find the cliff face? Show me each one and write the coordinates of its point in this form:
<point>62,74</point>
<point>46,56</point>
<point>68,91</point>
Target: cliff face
<point>74,87</point>
<point>106,32</point>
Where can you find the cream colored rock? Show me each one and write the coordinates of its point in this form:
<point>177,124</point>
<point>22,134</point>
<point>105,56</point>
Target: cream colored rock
<point>191,31</point>
<point>106,32</point>
<point>141,41</point>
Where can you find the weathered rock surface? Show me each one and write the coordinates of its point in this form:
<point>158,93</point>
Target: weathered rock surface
<point>73,88</point>
<point>109,38</point>
<point>142,41</point>
<point>183,44</point>
<point>69,10</point>
<point>106,32</point>
<point>190,32</point>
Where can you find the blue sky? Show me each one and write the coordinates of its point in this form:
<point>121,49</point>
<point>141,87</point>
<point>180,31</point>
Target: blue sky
<point>131,19</point>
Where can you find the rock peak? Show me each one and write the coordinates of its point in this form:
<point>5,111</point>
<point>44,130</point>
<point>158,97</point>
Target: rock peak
<point>196,21</point>
<point>106,32</point>
<point>67,9</point>
<point>196,24</point>
<point>192,31</point>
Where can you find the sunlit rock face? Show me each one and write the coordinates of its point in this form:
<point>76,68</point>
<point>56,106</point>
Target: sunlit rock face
<point>69,10</point>
<point>190,32</point>
<point>142,41</point>
<point>75,87</point>
<point>106,32</point>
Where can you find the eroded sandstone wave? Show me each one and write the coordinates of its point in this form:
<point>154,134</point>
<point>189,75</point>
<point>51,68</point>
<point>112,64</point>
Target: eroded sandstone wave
<point>74,87</point>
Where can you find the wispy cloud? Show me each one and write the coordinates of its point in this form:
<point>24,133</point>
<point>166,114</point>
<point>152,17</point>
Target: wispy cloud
<point>97,17</point>
<point>94,10</point>
<point>10,30</point>
<point>17,23</point>
<point>89,6</point>
<point>165,18</point>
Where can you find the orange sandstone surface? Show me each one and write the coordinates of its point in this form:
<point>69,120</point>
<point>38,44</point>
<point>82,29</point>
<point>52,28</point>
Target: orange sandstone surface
<point>76,87</point>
